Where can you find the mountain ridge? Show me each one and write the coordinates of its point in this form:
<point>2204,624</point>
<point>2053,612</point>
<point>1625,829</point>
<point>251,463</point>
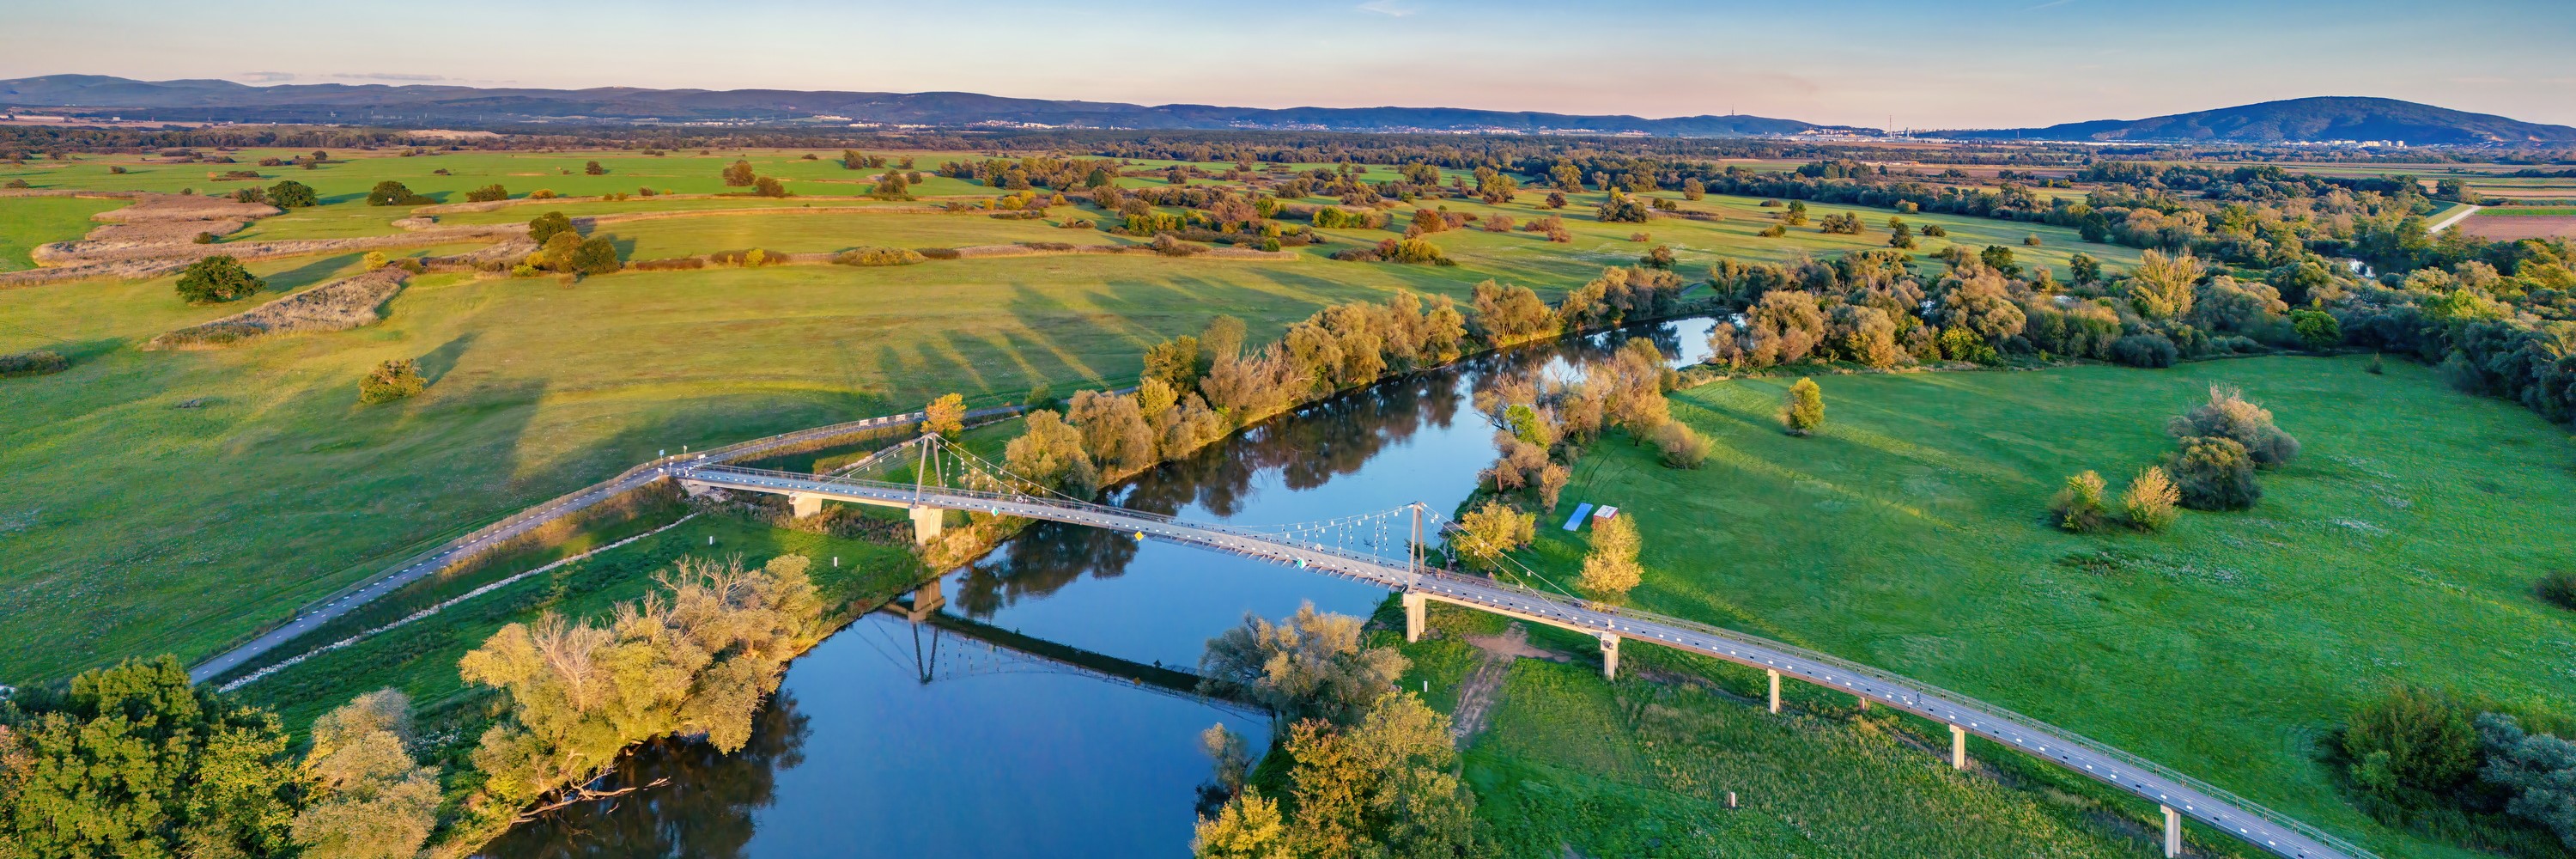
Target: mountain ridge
<point>2297,120</point>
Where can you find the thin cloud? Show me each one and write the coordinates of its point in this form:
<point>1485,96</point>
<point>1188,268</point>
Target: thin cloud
<point>2049,4</point>
<point>1389,9</point>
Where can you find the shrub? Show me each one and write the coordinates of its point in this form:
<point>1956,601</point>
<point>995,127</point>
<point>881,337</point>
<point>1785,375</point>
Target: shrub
<point>939,253</point>
<point>392,193</point>
<point>292,194</point>
<point>1680,446</point>
<point>18,183</point>
<point>2145,350</point>
<point>2317,329</point>
<point>1415,250</point>
<point>546,226</point>
<point>2214,474</point>
<point>2078,507</point>
<point>203,238</point>
<point>2559,588</point>
<point>596,255</point>
<point>32,363</point>
<point>2149,502</point>
<point>2377,365</point>
<point>878,257</point>
<point>487,194</point>
<point>2228,415</point>
<point>217,278</point>
<point>250,195</point>
<point>2031,240</point>
<point>748,258</point>
<point>674,264</point>
<point>390,381</point>
<point>1171,247</point>
<point>2411,745</point>
<point>594,169</point>
<point>767,186</point>
<point>542,194</point>
<point>1773,231</point>
<point>1803,409</point>
<point>1936,231</point>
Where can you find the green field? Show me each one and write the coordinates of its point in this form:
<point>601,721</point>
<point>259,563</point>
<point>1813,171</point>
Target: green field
<point>26,222</point>
<point>1911,535</point>
<point>1570,764</point>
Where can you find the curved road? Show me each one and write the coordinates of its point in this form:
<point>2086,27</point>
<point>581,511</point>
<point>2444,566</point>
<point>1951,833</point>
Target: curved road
<point>2210,805</point>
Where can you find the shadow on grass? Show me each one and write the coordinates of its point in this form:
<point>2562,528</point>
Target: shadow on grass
<point>435,365</point>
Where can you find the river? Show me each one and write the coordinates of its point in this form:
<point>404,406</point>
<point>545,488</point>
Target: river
<point>900,739</point>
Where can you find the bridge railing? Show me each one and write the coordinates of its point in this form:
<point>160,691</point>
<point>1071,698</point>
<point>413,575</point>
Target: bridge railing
<point>1928,690</point>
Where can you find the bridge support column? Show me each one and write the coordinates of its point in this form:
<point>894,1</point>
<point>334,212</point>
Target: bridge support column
<point>804,505</point>
<point>1415,606</point>
<point>926,601</point>
<point>2173,831</point>
<point>1609,656</point>
<point>1775,688</point>
<point>1958,747</point>
<point>926,522</point>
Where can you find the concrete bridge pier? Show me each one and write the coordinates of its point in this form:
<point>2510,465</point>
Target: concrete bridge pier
<point>1415,607</point>
<point>803,505</point>
<point>926,523</point>
<point>1609,656</point>
<point>1958,747</point>
<point>2173,831</point>
<point>926,601</point>
<point>1775,688</point>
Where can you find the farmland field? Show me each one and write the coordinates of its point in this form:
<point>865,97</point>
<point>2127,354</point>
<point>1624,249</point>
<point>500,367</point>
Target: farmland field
<point>30,221</point>
<point>1911,534</point>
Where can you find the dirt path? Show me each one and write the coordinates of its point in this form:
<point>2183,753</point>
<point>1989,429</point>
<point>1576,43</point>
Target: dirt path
<point>1476,696</point>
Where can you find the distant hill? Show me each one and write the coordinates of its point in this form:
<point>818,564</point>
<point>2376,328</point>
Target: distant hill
<point>217,100</point>
<point>2299,120</point>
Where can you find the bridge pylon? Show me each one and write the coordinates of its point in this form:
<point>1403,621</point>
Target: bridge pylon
<point>1415,607</point>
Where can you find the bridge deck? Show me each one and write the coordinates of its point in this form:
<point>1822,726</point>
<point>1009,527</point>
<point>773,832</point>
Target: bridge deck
<point>2208,804</point>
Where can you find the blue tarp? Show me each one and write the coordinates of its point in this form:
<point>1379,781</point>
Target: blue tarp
<point>1575,522</point>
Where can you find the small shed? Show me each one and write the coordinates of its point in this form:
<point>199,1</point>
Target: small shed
<point>1605,514</point>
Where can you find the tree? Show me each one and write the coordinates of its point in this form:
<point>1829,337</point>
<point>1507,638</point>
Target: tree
<point>2150,499</point>
<point>1900,234</point>
<point>767,186</point>
<point>892,187</point>
<point>596,255</point>
<point>1804,409</point>
<point>2411,745</point>
<point>1227,755</point>
<point>944,417</point>
<point>1114,431</point>
<point>390,381</point>
<point>1049,452</point>
<point>2078,506</point>
<point>1693,189</point>
<point>2085,269</point>
<point>1679,446</point>
<point>593,168</point>
<point>1177,362</point>
<point>2161,286</point>
<point>545,226</point>
<point>557,253</point>
<point>371,800</point>
<point>2229,415</point>
<point>291,194</point>
<point>217,278</point>
<point>1618,208</point>
<point>2539,769</point>
<point>2318,330</point>
<point>2000,259</point>
<point>135,761</point>
<point>1311,665</point>
<point>1796,216</point>
<point>1387,786</point>
<point>738,174</point>
<point>1247,827</point>
<point>1610,570</point>
<point>1222,340</point>
<point>1486,533</point>
<point>488,194</point>
<point>393,193</point>
<point>2214,474</point>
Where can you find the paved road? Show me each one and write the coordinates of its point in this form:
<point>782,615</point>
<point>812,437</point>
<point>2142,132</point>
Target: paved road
<point>437,558</point>
<point>2445,223</point>
<point>2209,805</point>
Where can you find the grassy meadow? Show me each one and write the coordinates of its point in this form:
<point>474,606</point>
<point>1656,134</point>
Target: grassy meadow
<point>28,222</point>
<point>1911,534</point>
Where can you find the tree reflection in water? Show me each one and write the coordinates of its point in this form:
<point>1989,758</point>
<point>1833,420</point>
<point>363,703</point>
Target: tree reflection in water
<point>703,813</point>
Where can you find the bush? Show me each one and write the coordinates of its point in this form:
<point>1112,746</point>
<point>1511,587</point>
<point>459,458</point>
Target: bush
<point>2214,473</point>
<point>2558,587</point>
<point>2145,350</point>
<point>545,226</point>
<point>250,195</point>
<point>2411,746</point>
<point>392,193</point>
<point>487,194</point>
<point>596,255</point>
<point>674,264</point>
<point>2228,415</point>
<point>939,253</point>
<point>1773,231</point>
<point>767,186</point>
<point>1803,412</point>
<point>2317,329</point>
<point>392,380</point>
<point>2078,507</point>
<point>2149,502</point>
<point>292,194</point>
<point>1171,247</point>
<point>878,257</point>
<point>217,278</point>
<point>33,363</point>
<point>1681,446</point>
<point>749,258</point>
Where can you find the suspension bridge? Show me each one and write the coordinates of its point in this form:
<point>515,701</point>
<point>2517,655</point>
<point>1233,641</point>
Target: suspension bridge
<point>931,479</point>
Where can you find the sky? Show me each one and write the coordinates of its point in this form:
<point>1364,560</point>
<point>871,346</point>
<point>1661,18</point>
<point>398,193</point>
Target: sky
<point>1913,63</point>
